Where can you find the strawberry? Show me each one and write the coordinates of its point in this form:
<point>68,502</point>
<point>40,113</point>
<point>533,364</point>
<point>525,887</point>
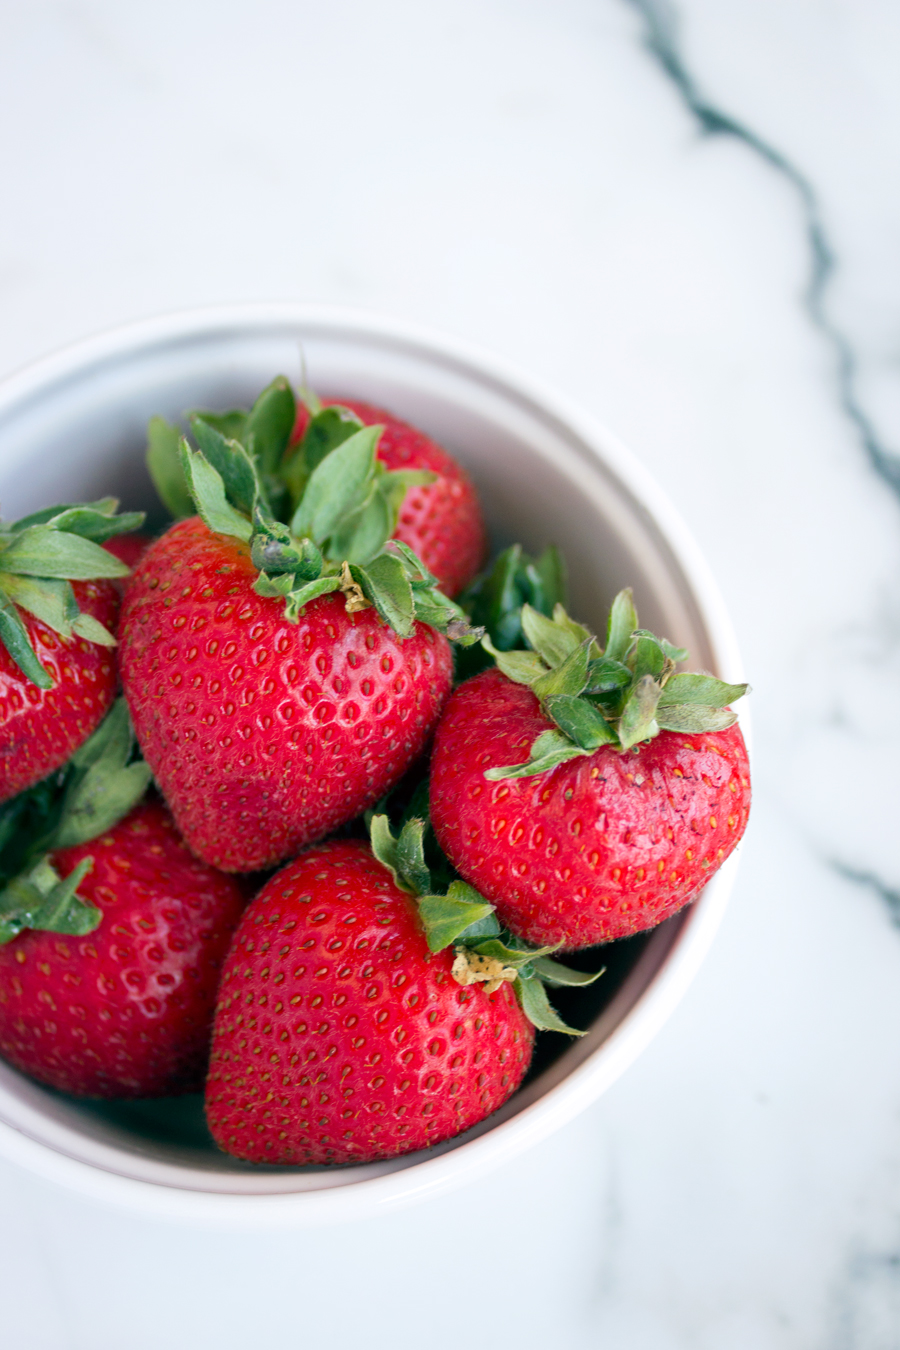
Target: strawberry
<point>112,945</point>
<point>589,795</point>
<point>263,733</point>
<point>129,549</point>
<point>57,617</point>
<point>348,1030</point>
<point>281,679</point>
<point>440,521</point>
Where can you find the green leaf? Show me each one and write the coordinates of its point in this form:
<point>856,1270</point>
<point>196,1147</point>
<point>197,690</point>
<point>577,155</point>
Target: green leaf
<point>385,583</point>
<point>40,900</point>
<point>270,423</point>
<point>41,551</point>
<point>445,917</point>
<point>419,574</point>
<point>481,928</point>
<point>554,642</point>
<point>104,786</point>
<point>520,667</point>
<point>672,652</point>
<point>551,569</point>
<point>14,636</point>
<point>98,802</point>
<point>104,506</point>
<point>622,623</point>
<point>92,630</point>
<point>329,428</point>
<point>274,587</point>
<point>393,486</point>
<point>536,1006</point>
<point>53,602</point>
<point>326,430</point>
<point>694,717</point>
<point>638,720</point>
<point>550,749</point>
<point>498,600</point>
<point>580,721</point>
<point>555,973</point>
<point>297,599</point>
<point>568,678</point>
<point>164,467</point>
<point>704,689</point>
<point>96,525</point>
<point>110,744</point>
<point>363,533</point>
<point>433,607</point>
<point>208,492</point>
<point>606,676</point>
<point>513,953</point>
<point>384,846</point>
<point>308,397</point>
<point>339,485</point>
<point>411,856</point>
<point>91,520</point>
<point>646,656</point>
<point>495,600</point>
<point>28,825</point>
<point>232,463</point>
<point>230,424</point>
<point>577,630</point>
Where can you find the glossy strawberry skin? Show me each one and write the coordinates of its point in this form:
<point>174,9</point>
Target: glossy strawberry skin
<point>264,735</point>
<point>41,728</point>
<point>600,847</point>
<point>129,549</point>
<point>127,1010</point>
<point>338,1036</point>
<point>441,522</point>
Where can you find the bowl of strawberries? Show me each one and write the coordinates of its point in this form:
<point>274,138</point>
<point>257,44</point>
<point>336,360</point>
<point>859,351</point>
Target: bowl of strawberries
<point>354,831</point>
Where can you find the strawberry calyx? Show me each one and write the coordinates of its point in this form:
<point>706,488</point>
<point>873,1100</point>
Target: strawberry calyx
<point>40,556</point>
<point>97,787</point>
<point>484,953</point>
<point>318,521</point>
<point>495,598</point>
<point>620,696</point>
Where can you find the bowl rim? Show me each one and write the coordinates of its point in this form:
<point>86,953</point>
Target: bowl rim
<point>467,1161</point>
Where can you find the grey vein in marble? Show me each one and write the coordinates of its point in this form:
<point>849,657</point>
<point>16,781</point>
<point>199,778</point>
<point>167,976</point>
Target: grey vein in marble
<point>867,1305</point>
<point>887,894</point>
<point>661,40</point>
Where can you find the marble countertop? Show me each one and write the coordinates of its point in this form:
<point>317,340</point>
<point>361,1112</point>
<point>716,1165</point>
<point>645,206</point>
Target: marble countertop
<point>687,218</point>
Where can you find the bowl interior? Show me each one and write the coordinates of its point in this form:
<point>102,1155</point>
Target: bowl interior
<point>77,431</point>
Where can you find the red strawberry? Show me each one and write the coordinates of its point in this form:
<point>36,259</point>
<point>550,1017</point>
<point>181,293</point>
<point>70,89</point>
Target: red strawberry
<point>57,618</point>
<point>265,733</point>
<point>567,803</point>
<point>129,549</point>
<point>125,1010</point>
<point>41,727</point>
<point>339,1037</point>
<point>441,521</point>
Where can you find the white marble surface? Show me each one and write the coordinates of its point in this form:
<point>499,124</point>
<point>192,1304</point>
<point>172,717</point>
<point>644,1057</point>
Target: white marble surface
<point>531,176</point>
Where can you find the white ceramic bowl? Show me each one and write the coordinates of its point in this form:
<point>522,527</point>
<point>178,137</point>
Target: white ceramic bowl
<point>72,427</point>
